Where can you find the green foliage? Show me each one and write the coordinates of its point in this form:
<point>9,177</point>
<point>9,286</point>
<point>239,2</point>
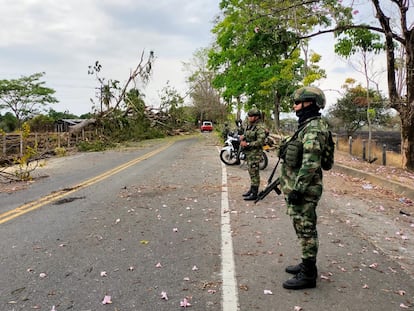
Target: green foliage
<point>42,123</point>
<point>257,53</point>
<point>25,96</point>
<point>55,115</point>
<point>354,40</point>
<point>93,146</point>
<point>24,170</point>
<point>8,122</point>
<point>60,151</point>
<point>351,109</point>
<point>205,99</point>
<point>171,104</point>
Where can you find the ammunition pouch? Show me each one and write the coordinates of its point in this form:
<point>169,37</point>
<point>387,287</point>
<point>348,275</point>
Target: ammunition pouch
<point>293,152</point>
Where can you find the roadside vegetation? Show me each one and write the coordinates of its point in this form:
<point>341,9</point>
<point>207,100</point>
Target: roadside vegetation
<point>259,56</point>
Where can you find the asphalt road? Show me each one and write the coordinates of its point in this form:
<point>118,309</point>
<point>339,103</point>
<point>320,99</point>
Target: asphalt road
<point>167,220</point>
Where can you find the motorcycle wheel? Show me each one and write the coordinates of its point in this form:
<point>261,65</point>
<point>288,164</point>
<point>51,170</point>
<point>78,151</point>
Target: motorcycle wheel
<point>263,161</point>
<point>228,158</point>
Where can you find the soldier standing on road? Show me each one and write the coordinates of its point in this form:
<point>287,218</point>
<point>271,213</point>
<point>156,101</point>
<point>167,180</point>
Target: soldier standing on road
<point>252,143</point>
<point>301,181</point>
<point>226,131</point>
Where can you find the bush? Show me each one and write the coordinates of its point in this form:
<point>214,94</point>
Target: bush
<point>97,145</point>
<point>60,151</point>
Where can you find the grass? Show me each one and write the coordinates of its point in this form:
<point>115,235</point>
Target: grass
<point>392,158</point>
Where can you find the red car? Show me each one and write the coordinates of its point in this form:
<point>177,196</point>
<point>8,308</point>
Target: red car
<point>207,126</point>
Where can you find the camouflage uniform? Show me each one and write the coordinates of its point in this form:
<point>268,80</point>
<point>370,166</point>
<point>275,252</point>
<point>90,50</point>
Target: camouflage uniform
<point>255,136</point>
<point>301,181</point>
<point>306,179</point>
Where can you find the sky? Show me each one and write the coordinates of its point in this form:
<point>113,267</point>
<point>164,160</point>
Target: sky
<point>62,38</point>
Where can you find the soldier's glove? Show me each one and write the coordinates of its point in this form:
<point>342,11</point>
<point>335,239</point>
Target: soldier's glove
<point>295,198</point>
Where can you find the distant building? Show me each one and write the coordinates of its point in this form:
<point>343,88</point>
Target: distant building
<point>65,125</point>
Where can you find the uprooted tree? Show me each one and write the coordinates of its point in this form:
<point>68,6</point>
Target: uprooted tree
<point>112,96</point>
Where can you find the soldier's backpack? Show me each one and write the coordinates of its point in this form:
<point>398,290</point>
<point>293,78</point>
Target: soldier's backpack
<point>327,157</point>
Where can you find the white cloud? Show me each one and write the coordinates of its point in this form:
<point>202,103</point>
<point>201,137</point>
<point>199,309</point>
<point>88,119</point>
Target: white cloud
<point>62,38</point>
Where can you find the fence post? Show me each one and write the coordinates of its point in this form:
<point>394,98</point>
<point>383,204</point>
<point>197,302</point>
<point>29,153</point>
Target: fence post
<point>4,144</point>
<point>364,150</point>
<point>21,144</point>
<point>337,141</point>
<point>350,145</point>
<point>384,155</point>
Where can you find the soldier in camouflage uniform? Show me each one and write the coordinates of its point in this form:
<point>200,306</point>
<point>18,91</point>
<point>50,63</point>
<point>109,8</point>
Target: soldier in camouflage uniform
<point>301,181</point>
<point>252,143</point>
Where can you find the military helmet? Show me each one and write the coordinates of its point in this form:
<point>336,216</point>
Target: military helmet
<point>310,93</point>
<point>254,113</point>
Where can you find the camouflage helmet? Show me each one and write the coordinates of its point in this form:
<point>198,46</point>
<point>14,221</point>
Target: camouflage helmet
<point>312,94</point>
<point>254,113</point>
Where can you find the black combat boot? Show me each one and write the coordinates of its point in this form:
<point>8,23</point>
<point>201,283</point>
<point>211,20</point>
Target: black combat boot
<point>246,194</point>
<point>253,194</point>
<point>295,269</point>
<point>306,278</point>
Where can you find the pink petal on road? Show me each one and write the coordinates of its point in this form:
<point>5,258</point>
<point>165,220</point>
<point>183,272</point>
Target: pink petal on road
<point>184,303</point>
<point>164,295</point>
<point>106,300</point>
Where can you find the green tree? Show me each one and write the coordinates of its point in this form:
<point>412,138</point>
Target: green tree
<point>41,123</point>
<point>257,58</point>
<point>172,104</point>
<point>365,43</point>
<point>25,96</point>
<point>56,115</point>
<point>8,122</point>
<point>307,19</point>
<point>205,98</point>
<point>355,106</point>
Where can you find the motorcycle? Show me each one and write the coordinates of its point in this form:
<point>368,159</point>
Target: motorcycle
<point>232,153</point>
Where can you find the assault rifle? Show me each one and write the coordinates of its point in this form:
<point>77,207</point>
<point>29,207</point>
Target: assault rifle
<point>271,185</point>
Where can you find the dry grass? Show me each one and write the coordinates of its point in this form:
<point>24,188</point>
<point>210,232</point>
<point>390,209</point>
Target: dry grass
<point>392,158</point>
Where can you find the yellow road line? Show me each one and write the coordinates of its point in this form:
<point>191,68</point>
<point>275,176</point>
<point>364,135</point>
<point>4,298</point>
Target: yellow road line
<point>23,209</point>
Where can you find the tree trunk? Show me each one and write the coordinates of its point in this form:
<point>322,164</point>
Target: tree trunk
<point>407,142</point>
<point>406,109</point>
<point>276,113</point>
<point>74,129</point>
